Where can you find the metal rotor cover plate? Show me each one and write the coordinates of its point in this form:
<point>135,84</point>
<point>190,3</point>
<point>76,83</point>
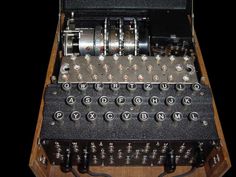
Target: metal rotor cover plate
<point>124,69</point>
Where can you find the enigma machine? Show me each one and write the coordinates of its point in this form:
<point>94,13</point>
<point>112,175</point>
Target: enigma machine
<point>127,95</point>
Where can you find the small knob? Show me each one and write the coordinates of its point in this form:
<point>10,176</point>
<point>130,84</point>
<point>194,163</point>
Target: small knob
<point>155,78</point>
<point>130,57</point>
<point>115,56</point>
<point>186,78</point>
<point>144,57</point>
<point>101,57</point>
<point>140,77</point>
<point>87,56</point>
<point>164,68</point>
<point>179,68</point>
<point>172,58</point>
<point>106,68</point>
<point>158,58</point>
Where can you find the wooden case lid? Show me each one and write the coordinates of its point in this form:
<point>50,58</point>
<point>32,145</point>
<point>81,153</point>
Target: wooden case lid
<point>71,5</point>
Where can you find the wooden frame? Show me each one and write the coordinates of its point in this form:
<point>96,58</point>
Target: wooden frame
<point>38,160</point>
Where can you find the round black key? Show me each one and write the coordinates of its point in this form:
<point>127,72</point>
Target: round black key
<point>115,86</point>
<point>180,87</point>
<point>103,100</point>
<point>131,86</point>
<point>70,100</point>
<point>82,86</point>
<point>160,116</point>
<point>147,86</point>
<point>87,100</point>
<point>66,86</point>
<point>196,87</point>
<point>177,116</point>
<point>99,86</point>
<point>170,101</point>
<point>109,116</point>
<point>187,101</point>
<point>137,101</point>
<point>125,116</point>
<point>58,115</point>
<point>120,100</point>
<point>75,115</point>
<point>194,116</point>
<point>91,116</point>
<point>154,100</point>
<point>143,116</point>
<point>164,87</point>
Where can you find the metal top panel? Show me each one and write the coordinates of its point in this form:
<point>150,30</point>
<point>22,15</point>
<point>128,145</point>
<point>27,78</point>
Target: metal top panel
<point>124,69</point>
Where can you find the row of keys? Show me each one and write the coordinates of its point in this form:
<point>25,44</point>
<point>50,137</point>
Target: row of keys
<point>126,116</point>
<point>132,86</point>
<point>137,100</point>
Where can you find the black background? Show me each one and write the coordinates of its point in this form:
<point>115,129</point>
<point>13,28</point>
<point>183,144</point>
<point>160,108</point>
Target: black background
<point>35,33</point>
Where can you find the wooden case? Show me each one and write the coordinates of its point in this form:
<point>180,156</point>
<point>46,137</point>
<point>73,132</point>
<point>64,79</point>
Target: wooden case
<point>41,167</point>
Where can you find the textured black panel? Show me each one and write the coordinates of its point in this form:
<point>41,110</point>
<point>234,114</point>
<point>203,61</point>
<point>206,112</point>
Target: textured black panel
<point>124,4</point>
<point>133,131</point>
